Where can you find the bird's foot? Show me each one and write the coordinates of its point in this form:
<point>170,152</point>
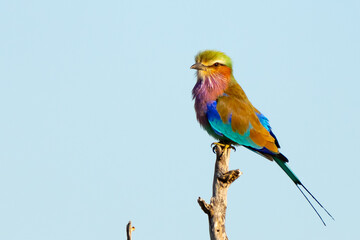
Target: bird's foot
<point>223,146</point>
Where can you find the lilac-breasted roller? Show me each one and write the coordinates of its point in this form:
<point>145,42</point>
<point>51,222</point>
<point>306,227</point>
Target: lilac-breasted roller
<point>224,111</point>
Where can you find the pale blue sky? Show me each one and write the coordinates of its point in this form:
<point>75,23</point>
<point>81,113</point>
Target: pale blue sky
<point>98,127</point>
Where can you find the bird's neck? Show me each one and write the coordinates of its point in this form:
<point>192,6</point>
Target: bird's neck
<point>208,88</point>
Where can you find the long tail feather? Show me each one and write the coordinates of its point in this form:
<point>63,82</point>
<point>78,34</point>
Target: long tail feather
<point>279,160</point>
<point>297,185</point>
<point>318,202</point>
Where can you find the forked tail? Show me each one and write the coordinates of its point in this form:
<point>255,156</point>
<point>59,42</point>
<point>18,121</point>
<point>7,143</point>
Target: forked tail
<point>296,180</point>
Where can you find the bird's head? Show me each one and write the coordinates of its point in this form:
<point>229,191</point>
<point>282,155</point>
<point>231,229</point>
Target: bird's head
<point>214,73</point>
<point>210,63</point>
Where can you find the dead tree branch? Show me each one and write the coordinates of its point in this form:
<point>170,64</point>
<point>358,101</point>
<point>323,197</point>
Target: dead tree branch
<point>129,230</point>
<point>223,178</point>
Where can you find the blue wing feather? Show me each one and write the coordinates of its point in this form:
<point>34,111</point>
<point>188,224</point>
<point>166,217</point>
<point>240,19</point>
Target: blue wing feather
<point>265,122</point>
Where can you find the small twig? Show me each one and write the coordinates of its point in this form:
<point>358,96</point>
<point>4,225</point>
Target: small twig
<point>129,230</point>
<point>207,208</point>
<point>230,176</point>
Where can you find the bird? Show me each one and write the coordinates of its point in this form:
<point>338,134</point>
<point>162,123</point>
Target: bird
<point>225,112</point>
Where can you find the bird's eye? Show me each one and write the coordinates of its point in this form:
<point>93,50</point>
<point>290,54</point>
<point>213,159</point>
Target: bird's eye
<point>216,64</point>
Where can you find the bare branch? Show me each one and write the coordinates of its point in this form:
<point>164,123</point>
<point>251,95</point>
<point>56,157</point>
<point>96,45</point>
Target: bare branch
<point>223,178</point>
<point>129,230</point>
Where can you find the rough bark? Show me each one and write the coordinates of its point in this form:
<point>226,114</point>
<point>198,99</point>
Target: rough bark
<point>223,178</point>
<point>129,230</point>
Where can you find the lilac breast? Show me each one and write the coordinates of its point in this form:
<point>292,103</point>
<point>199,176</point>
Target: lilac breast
<point>204,92</point>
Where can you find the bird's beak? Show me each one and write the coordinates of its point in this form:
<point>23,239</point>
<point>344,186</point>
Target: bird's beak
<point>198,66</point>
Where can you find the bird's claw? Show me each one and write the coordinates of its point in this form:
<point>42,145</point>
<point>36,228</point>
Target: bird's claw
<point>224,145</point>
<point>213,145</point>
